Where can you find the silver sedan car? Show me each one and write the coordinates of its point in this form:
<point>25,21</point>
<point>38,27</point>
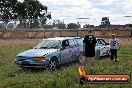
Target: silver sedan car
<point>51,52</point>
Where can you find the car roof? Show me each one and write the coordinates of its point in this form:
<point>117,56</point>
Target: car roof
<point>96,38</point>
<point>62,38</point>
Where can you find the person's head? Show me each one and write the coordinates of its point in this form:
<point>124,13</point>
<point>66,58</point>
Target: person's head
<point>113,36</point>
<point>90,32</point>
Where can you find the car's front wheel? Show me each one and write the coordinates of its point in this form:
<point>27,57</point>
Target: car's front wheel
<point>53,64</point>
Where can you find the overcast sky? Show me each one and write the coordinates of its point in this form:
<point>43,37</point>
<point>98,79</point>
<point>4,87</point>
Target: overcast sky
<point>69,10</point>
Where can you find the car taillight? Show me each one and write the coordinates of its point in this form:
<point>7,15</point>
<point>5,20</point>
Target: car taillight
<point>39,58</point>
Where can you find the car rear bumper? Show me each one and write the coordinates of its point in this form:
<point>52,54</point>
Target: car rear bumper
<point>33,64</point>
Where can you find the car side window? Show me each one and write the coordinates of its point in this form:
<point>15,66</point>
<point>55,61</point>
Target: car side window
<point>98,42</point>
<point>101,42</point>
<point>65,43</point>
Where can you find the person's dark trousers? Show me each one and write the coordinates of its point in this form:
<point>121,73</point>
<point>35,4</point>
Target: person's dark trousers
<point>113,54</point>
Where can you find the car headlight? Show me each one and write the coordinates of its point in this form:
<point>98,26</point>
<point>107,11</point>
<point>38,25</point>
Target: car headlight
<point>17,59</point>
<point>39,58</point>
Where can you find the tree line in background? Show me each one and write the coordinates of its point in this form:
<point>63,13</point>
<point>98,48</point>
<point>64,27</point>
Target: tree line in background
<point>61,25</point>
<point>105,23</point>
<point>32,14</point>
<point>37,15</point>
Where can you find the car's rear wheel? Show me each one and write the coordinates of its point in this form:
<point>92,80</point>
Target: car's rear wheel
<point>53,64</point>
<point>109,54</point>
<point>80,79</point>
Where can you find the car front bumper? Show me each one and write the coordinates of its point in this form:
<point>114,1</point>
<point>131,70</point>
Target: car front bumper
<point>32,64</point>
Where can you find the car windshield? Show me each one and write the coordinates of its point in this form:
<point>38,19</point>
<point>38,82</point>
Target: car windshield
<point>48,44</point>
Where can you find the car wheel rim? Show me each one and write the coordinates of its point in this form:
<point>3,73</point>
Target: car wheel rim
<point>52,65</point>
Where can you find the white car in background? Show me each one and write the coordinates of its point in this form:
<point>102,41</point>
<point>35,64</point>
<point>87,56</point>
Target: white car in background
<point>102,48</point>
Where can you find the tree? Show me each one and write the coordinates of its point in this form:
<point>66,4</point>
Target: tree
<point>33,9</point>
<point>59,24</point>
<point>88,26</point>
<point>62,25</point>
<point>73,26</point>
<point>105,22</point>
<point>7,9</point>
<point>28,9</point>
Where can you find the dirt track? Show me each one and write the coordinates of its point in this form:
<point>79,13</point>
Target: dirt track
<point>4,42</point>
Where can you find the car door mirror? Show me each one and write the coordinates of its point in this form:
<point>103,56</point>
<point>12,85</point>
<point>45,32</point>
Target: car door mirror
<point>65,43</point>
<point>62,47</point>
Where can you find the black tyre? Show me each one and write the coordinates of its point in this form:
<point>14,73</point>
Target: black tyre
<point>53,64</point>
<point>80,79</point>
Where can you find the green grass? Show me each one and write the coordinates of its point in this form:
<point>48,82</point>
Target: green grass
<point>12,76</point>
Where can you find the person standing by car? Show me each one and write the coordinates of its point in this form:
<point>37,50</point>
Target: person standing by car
<point>114,45</point>
<point>89,43</point>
